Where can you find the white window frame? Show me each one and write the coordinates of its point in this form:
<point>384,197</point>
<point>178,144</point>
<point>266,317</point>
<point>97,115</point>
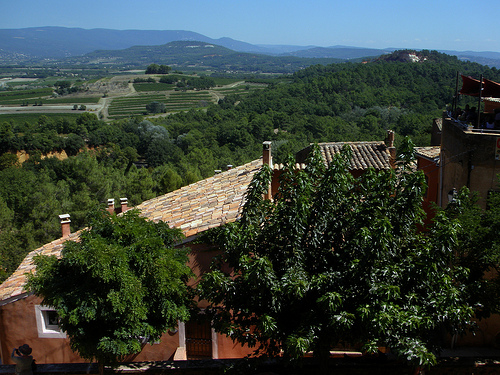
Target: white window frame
<point>46,330</point>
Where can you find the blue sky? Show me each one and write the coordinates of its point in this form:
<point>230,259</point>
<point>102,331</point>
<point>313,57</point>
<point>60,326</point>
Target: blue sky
<point>432,24</point>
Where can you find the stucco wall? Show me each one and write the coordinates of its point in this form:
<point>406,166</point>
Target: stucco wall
<point>469,160</point>
<point>431,171</point>
<point>18,322</point>
<point>18,326</point>
<point>229,349</point>
<point>486,335</point>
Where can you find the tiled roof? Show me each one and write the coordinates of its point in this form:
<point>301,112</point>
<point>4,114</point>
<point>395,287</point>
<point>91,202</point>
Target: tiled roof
<point>432,153</point>
<point>193,208</point>
<point>205,204</point>
<point>364,154</point>
<point>13,286</point>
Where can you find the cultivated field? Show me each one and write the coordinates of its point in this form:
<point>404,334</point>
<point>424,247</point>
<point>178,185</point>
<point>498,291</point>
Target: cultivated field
<point>118,97</point>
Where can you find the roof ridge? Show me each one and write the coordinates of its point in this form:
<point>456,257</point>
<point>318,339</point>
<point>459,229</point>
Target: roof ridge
<point>351,142</point>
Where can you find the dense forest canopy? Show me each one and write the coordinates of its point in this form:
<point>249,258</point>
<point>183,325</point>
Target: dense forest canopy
<point>338,102</point>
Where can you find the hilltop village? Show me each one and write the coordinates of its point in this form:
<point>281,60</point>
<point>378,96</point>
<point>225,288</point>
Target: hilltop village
<point>344,210</point>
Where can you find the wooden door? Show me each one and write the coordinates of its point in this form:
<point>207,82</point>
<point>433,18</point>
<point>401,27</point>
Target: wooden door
<point>198,339</point>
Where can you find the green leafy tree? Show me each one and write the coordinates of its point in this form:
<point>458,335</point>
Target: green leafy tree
<point>337,259</point>
<point>166,179</point>
<point>158,69</point>
<point>201,83</point>
<point>123,284</point>
<point>6,254</point>
<point>73,143</point>
<point>139,186</point>
<point>164,69</point>
<point>152,69</point>
<point>89,121</point>
<point>156,107</point>
<point>168,79</point>
<point>62,87</point>
<point>478,248</point>
<point>8,160</point>
<point>7,137</point>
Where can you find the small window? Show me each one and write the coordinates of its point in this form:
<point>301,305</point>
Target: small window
<point>51,319</point>
<point>47,322</point>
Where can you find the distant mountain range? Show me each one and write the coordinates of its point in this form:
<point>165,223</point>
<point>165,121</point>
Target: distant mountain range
<point>61,42</point>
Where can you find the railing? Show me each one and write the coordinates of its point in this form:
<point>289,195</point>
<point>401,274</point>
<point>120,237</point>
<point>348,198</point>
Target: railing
<point>468,127</point>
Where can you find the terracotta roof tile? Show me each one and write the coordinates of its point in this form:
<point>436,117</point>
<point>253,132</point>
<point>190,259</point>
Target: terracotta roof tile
<point>13,286</point>
<point>194,208</point>
<point>364,154</point>
<point>432,153</point>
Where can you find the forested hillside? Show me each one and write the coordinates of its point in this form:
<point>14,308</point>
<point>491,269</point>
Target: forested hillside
<point>350,101</point>
<point>200,55</point>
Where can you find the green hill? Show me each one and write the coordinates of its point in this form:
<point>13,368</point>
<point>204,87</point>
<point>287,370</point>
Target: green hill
<point>200,55</point>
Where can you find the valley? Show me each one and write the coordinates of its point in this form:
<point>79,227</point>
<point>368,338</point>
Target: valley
<point>118,96</point>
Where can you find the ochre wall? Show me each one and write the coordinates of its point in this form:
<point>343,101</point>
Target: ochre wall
<point>431,171</point>
<point>18,326</point>
<point>229,349</point>
<point>163,351</point>
<point>18,321</point>
<point>485,335</point>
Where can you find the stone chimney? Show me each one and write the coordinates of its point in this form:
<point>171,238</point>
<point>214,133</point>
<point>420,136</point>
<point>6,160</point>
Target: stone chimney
<point>267,159</point>
<point>111,205</point>
<point>266,153</point>
<point>65,225</point>
<point>124,204</point>
<point>389,141</point>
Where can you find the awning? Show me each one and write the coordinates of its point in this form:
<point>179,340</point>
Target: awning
<point>470,86</point>
<point>490,104</point>
<point>490,89</point>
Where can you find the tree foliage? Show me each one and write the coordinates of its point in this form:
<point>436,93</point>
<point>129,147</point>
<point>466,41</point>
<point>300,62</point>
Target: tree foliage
<point>478,248</point>
<point>122,285</point>
<point>158,69</point>
<point>337,259</point>
<point>156,107</point>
